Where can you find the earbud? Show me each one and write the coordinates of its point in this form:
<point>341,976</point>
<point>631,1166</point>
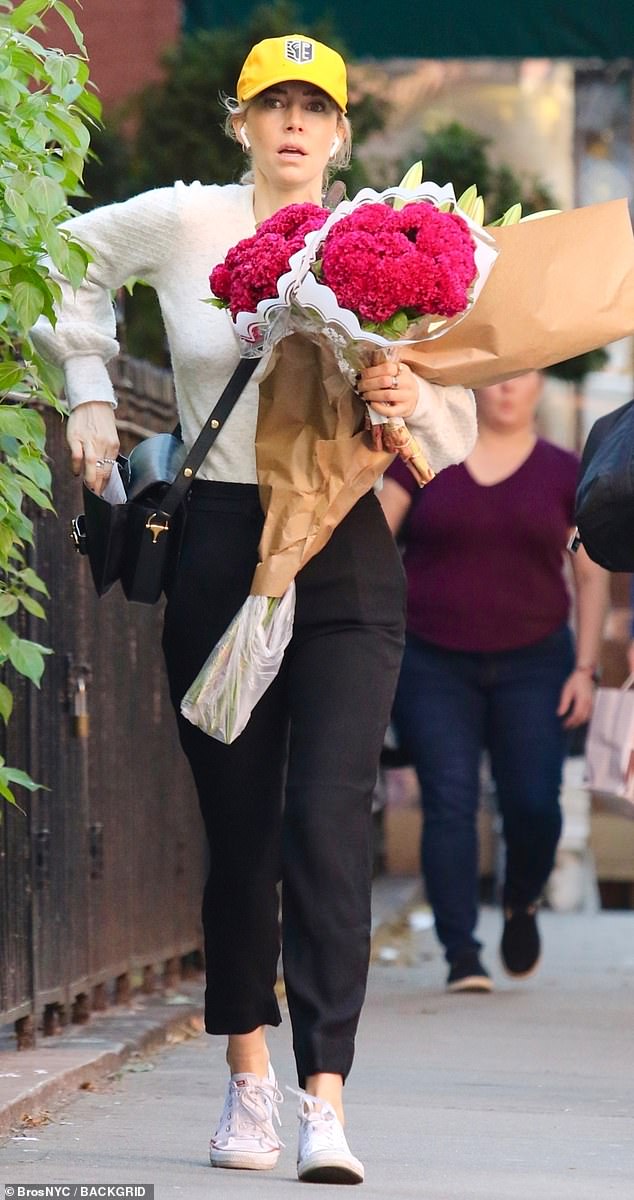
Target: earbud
<point>335,146</point>
<point>244,139</point>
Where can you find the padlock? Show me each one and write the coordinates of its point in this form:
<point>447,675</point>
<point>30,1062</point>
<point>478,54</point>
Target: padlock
<point>81,720</point>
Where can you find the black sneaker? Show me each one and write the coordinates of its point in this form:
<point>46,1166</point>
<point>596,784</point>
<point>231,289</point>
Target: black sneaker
<point>466,974</point>
<point>520,948</point>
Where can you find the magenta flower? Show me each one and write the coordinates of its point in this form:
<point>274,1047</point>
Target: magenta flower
<point>379,262</point>
<point>252,268</point>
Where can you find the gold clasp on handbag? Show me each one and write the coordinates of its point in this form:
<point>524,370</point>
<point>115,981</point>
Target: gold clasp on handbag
<point>156,528</point>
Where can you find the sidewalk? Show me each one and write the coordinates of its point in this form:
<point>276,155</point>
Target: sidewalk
<point>525,1094</point>
<point>32,1082</point>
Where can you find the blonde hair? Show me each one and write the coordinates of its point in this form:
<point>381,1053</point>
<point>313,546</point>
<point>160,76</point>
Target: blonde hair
<point>338,162</point>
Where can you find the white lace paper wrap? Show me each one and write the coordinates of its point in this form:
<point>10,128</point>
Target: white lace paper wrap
<point>241,666</point>
<point>300,295</point>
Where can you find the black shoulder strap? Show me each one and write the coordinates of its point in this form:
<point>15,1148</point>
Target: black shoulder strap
<point>178,490</point>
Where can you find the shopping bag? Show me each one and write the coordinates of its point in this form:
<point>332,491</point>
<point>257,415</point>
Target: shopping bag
<point>610,744</point>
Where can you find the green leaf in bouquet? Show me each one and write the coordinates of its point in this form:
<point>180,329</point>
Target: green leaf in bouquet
<point>467,198</point>
<point>400,322</point>
<point>412,179</point>
<point>510,217</point>
<point>536,216</point>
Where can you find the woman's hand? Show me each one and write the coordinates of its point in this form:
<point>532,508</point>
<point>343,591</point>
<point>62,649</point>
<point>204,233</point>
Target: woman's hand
<point>575,702</point>
<point>92,436</point>
<point>390,388</point>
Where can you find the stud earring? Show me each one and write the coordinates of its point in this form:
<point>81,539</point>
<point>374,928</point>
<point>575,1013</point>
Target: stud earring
<point>246,145</point>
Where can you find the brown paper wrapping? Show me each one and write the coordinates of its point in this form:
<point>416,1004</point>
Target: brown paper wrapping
<point>560,286</point>
<point>314,459</point>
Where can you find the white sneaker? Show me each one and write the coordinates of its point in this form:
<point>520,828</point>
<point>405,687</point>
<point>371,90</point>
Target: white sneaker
<point>323,1154</point>
<point>246,1137</point>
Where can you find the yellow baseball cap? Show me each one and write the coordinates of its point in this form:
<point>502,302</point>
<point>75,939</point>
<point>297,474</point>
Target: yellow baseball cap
<point>295,57</point>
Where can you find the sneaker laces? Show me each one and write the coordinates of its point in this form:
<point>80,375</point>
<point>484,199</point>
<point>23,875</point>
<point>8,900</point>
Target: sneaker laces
<point>251,1107</point>
<point>320,1118</point>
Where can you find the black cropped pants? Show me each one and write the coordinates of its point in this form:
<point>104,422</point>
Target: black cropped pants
<point>290,799</point>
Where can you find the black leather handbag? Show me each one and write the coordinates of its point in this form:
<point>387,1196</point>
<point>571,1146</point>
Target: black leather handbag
<point>138,542</point>
<point>604,508</point>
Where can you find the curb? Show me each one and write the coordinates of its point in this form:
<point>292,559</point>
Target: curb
<point>71,1061</point>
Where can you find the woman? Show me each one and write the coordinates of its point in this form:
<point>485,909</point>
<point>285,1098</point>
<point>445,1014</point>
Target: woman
<point>489,664</point>
<point>345,653</point>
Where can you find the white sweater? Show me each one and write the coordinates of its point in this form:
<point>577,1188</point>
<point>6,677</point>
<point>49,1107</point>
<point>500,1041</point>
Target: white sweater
<point>172,238</point>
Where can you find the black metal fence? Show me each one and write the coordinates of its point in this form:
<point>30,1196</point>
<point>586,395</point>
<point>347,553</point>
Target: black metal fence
<point>101,876</point>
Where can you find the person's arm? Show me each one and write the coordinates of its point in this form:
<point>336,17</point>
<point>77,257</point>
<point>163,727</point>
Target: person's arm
<point>591,584</point>
<point>444,422</point>
<point>129,240</point>
<point>395,502</point>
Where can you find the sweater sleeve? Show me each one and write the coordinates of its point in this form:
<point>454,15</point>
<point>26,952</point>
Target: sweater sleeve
<point>128,240</point>
<point>444,422</point>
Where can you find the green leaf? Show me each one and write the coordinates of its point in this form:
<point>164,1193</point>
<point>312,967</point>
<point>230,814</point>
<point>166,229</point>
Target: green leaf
<point>45,196</point>
<point>33,581</point>
<point>57,247</point>
<point>10,374</point>
<point>28,659</point>
<point>18,205</point>
<point>23,423</point>
<point>5,791</point>
<point>8,604</point>
<point>64,125</point>
<point>7,637</point>
<point>32,465</point>
<point>60,68</point>
<point>10,95</point>
<point>36,494</point>
<point>14,775</point>
<point>6,702</point>
<point>32,606</point>
<point>26,15</point>
<point>90,104</point>
<point>77,263</point>
<point>28,304</point>
<point>68,16</point>
<point>13,423</point>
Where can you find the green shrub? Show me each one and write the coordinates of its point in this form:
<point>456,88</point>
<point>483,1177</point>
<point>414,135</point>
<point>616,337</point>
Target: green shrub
<point>45,113</point>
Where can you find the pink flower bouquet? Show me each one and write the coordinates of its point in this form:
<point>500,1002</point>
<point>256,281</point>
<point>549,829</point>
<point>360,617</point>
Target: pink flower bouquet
<point>397,266</point>
<point>379,271</point>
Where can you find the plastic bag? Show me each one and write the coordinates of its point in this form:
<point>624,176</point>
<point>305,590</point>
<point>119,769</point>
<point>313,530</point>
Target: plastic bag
<point>241,666</point>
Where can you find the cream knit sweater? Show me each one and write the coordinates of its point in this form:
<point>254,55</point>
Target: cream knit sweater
<point>172,238</point>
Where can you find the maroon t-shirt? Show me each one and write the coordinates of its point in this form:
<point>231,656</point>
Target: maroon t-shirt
<point>484,563</point>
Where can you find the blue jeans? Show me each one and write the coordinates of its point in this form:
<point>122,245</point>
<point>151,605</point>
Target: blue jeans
<point>449,707</point>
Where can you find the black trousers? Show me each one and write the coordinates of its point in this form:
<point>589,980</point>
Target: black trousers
<point>290,799</point>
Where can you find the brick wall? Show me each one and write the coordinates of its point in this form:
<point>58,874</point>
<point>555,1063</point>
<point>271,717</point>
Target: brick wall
<point>124,40</point>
